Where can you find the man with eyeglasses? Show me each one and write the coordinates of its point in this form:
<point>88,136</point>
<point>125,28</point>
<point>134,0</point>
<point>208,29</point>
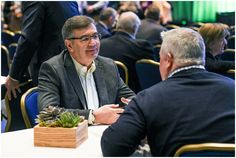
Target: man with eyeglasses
<point>80,80</point>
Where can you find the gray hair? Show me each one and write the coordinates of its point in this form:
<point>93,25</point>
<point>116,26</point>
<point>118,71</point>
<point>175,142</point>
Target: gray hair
<point>129,22</point>
<point>76,22</point>
<point>186,45</point>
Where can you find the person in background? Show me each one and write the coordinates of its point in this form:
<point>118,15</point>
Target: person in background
<point>150,28</point>
<point>106,21</point>
<point>81,81</point>
<point>123,46</point>
<point>133,6</point>
<point>214,35</point>
<point>165,11</point>
<point>93,8</point>
<point>190,105</point>
<point>12,15</point>
<point>40,40</point>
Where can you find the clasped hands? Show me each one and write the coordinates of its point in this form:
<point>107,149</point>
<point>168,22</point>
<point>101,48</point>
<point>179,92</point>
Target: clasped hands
<point>108,114</point>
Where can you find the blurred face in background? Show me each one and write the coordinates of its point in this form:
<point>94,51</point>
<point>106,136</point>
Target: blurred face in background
<point>217,46</point>
<point>214,35</point>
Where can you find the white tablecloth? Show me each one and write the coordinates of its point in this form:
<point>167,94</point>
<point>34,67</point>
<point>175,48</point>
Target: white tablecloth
<point>3,79</point>
<point>21,144</point>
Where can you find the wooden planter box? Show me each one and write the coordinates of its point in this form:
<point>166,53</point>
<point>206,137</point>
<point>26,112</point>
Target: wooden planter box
<point>61,137</point>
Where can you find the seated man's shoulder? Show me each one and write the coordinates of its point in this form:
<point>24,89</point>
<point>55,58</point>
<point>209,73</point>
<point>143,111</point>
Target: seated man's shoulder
<point>103,59</point>
<point>57,59</point>
<point>224,79</point>
<point>143,43</point>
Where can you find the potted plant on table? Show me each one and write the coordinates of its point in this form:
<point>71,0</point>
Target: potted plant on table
<point>59,128</point>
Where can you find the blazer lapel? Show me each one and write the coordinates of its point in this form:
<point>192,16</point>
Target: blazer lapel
<point>100,84</point>
<point>74,79</point>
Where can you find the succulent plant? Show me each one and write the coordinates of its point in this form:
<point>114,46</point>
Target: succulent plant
<point>68,120</point>
<point>54,116</point>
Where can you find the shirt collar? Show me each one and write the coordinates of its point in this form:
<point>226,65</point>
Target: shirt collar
<point>83,70</point>
<point>186,68</point>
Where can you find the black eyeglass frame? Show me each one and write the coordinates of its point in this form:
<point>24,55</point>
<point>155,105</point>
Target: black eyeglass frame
<point>86,38</point>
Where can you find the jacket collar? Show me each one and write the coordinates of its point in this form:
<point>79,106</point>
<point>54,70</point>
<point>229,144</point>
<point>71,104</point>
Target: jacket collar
<point>99,74</point>
<point>122,33</point>
<point>74,78</point>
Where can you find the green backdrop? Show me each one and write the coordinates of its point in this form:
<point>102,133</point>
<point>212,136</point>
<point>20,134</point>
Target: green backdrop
<point>200,11</point>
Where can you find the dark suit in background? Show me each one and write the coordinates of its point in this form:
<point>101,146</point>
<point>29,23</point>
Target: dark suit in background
<point>193,106</point>
<point>124,48</point>
<point>60,85</point>
<point>105,32</point>
<point>41,39</point>
<point>214,64</point>
<point>150,31</point>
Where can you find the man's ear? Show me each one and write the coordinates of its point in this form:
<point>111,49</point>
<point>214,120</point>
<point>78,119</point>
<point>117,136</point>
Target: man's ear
<point>68,45</point>
<point>170,61</point>
<point>110,19</point>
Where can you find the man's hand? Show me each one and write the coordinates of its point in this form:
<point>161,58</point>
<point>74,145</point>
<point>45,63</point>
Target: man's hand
<point>12,86</point>
<point>107,114</point>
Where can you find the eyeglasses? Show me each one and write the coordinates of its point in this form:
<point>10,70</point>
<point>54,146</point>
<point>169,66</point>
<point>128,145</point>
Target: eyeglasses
<point>87,38</point>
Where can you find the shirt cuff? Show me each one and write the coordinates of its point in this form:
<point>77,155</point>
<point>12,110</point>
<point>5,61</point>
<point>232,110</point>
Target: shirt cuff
<point>91,118</point>
<point>13,79</point>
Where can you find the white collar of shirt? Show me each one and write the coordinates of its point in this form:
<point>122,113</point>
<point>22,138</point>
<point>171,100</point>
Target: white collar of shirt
<point>83,70</point>
<point>88,83</point>
<point>186,68</point>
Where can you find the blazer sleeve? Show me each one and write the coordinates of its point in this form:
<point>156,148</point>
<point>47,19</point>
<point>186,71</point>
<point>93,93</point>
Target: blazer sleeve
<point>33,18</point>
<point>50,89</point>
<point>124,136</point>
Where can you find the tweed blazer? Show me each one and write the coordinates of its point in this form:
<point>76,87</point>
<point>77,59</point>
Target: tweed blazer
<point>59,84</point>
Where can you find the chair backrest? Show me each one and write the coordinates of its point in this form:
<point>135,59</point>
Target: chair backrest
<point>7,37</point>
<point>14,116</point>
<point>148,72</point>
<point>12,49</point>
<point>29,107</point>
<point>5,61</point>
<point>172,26</point>
<point>230,73</point>
<point>206,150</point>
<point>157,49</point>
<point>123,70</point>
<point>17,36</point>
<point>229,55</point>
<point>197,24</point>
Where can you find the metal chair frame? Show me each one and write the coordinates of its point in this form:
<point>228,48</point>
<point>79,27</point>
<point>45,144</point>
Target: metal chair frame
<point>5,50</point>
<point>204,147</point>
<point>152,63</point>
<point>23,106</point>
<point>8,108</point>
<point>123,67</point>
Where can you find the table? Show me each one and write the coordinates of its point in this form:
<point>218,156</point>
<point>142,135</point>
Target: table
<point>3,79</point>
<point>21,144</point>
